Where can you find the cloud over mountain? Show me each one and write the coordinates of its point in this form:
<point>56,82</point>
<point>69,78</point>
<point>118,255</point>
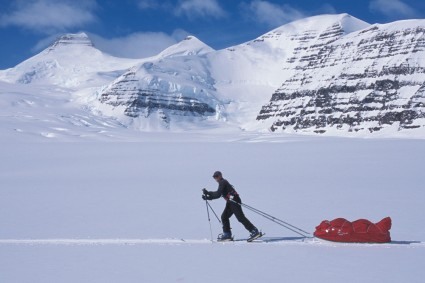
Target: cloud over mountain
<point>393,9</point>
<point>48,16</point>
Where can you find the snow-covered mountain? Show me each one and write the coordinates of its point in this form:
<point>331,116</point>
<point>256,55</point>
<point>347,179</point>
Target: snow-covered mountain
<point>249,73</point>
<point>325,74</point>
<point>72,61</point>
<point>237,81</point>
<point>165,88</point>
<point>369,80</point>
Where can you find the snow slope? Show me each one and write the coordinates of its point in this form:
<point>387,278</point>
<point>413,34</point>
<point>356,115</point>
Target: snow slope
<point>39,113</point>
<point>187,47</point>
<point>97,212</point>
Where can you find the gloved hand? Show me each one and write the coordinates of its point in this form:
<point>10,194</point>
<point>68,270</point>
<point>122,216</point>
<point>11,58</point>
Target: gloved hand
<point>207,197</point>
<point>206,194</point>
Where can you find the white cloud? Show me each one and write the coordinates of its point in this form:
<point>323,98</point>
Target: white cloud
<point>137,45</point>
<point>327,9</point>
<point>192,9</point>
<point>393,8</point>
<point>45,42</point>
<point>148,4</point>
<point>199,8</point>
<point>272,14</point>
<point>49,16</point>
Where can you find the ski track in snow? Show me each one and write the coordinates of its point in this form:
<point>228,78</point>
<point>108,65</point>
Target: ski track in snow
<point>176,241</point>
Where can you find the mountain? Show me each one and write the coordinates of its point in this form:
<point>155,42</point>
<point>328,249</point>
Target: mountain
<point>172,85</point>
<point>232,83</point>
<point>247,74</point>
<point>328,74</point>
<point>367,81</point>
<point>71,61</point>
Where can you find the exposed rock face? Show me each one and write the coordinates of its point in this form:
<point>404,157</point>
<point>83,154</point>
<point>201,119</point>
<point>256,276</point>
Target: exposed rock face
<point>364,81</point>
<point>139,101</point>
<point>174,87</point>
<point>72,39</point>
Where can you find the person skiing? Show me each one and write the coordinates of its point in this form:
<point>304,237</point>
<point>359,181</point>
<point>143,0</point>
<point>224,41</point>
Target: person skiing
<point>233,201</point>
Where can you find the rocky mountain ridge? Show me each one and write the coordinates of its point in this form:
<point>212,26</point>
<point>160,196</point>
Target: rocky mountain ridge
<point>232,83</point>
<point>368,80</point>
<point>175,83</point>
<point>328,74</point>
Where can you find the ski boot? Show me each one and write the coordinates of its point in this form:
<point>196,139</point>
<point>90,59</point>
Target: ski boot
<point>225,237</point>
<point>255,234</point>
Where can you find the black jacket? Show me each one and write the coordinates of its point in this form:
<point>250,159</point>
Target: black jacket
<point>225,189</point>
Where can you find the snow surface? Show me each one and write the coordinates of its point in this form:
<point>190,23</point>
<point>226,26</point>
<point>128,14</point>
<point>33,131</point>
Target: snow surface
<point>117,211</point>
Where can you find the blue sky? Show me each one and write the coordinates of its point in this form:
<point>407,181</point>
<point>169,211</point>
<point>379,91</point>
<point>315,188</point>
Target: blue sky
<point>141,28</point>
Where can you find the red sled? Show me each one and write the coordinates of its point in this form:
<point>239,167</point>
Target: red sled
<point>359,231</point>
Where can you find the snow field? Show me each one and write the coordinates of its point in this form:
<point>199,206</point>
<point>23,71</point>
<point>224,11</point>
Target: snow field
<point>141,198</point>
<point>209,263</point>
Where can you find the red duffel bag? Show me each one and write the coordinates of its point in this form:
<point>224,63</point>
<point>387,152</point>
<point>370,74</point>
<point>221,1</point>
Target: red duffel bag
<point>359,231</point>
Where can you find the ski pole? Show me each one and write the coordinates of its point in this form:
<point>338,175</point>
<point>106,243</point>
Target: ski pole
<point>281,224</point>
<point>213,211</point>
<point>209,220</point>
<point>274,219</point>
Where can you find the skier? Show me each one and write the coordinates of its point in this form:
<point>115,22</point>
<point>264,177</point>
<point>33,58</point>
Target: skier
<point>233,201</point>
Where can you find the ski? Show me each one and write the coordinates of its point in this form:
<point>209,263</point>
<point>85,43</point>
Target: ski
<point>226,240</point>
<point>249,240</point>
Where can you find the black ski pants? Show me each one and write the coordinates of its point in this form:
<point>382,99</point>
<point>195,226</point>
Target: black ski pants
<point>236,209</point>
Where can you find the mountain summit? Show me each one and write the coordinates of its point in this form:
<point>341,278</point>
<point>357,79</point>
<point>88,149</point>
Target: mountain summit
<point>81,39</point>
<point>188,46</point>
<point>71,61</point>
